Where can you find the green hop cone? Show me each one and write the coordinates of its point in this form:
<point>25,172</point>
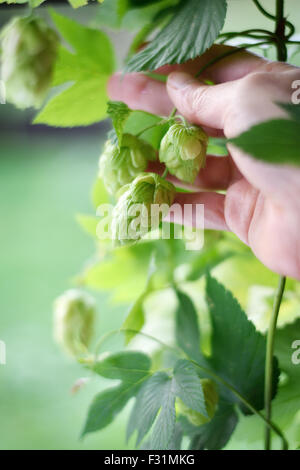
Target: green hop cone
<point>183,150</point>
<point>74,314</point>
<point>29,50</point>
<point>120,165</point>
<point>211,402</point>
<point>140,208</point>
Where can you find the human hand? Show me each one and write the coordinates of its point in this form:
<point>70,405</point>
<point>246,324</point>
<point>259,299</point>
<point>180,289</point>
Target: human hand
<point>261,204</point>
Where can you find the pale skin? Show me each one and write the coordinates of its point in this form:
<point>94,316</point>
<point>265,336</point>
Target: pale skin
<point>261,205</point>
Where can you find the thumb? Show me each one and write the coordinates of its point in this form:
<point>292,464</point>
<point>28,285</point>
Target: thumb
<point>202,104</point>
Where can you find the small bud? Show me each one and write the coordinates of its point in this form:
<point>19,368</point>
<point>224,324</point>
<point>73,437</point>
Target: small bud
<point>74,314</point>
<point>120,165</point>
<point>211,401</point>
<point>29,49</point>
<point>183,150</point>
<point>141,206</point>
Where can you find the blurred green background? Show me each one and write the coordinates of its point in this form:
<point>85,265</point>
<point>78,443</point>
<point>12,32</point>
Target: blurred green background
<point>45,179</point>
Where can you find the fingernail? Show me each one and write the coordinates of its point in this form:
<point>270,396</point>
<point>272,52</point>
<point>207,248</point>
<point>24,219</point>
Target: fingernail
<point>179,80</point>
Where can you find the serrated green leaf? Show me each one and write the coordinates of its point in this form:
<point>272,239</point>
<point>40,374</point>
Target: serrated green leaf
<point>217,146</point>
<point>164,427</point>
<point>119,113</point>
<point>187,386</point>
<point>89,67</point>
<point>191,31</point>
<point>105,407</point>
<point>147,405</point>
<point>80,105</point>
<point>276,141</point>
<point>292,109</point>
<point>215,434</point>
<point>238,349</point>
<point>132,368</point>
<point>187,328</point>
<point>286,404</point>
<point>139,120</point>
<point>128,366</point>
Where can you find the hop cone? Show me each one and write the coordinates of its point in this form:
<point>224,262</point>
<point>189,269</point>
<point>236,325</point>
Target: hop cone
<point>132,216</point>
<point>183,150</point>
<point>29,49</point>
<point>120,165</point>
<point>74,313</point>
<point>211,402</point>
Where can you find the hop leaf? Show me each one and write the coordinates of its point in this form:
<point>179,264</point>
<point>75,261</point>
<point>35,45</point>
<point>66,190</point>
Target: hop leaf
<point>120,165</point>
<point>183,150</point>
<point>74,313</point>
<point>29,50</point>
<point>211,402</point>
<point>141,207</point>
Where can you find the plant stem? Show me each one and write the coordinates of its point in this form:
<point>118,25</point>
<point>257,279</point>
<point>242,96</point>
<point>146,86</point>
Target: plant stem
<point>269,358</point>
<point>263,11</point>
<point>281,55</point>
<point>148,128</point>
<point>229,53</point>
<point>280,31</point>
<point>209,372</point>
<point>173,113</point>
<point>165,173</point>
<point>270,425</point>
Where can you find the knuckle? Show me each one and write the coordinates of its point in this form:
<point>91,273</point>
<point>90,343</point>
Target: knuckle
<point>198,100</point>
<point>255,80</point>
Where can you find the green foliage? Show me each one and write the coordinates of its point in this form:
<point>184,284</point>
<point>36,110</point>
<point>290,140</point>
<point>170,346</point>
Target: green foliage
<point>275,141</point>
<point>188,387</point>
<point>132,368</point>
<point>193,29</point>
<point>215,434</point>
<point>89,67</point>
<point>238,350</point>
<point>148,402</point>
<point>118,112</point>
<point>212,342</point>
<point>187,329</point>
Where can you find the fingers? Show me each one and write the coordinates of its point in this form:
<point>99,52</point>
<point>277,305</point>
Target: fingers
<point>201,104</point>
<point>216,175</point>
<point>140,92</point>
<point>213,210</point>
<point>232,67</point>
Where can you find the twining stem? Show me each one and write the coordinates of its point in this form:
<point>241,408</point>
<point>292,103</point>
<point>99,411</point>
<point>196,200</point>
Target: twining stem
<point>173,113</point>
<point>281,55</point>
<point>148,128</point>
<point>264,11</point>
<point>165,173</point>
<point>209,372</point>
<point>229,53</point>
<point>280,31</point>
<point>270,360</point>
<point>269,424</point>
